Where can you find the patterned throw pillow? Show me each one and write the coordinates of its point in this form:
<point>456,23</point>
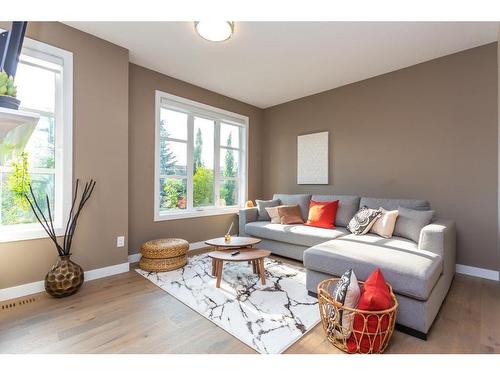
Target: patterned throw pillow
<point>363,220</point>
<point>347,293</point>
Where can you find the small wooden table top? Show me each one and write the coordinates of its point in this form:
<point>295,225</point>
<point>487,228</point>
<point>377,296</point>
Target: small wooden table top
<point>235,242</point>
<point>245,255</point>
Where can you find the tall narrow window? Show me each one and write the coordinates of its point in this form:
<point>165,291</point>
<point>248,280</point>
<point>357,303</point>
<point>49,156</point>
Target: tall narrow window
<point>173,160</point>
<point>229,164</point>
<point>200,164</point>
<point>44,85</point>
<point>203,163</point>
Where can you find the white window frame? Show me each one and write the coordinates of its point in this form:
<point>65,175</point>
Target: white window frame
<point>63,146</point>
<point>177,103</point>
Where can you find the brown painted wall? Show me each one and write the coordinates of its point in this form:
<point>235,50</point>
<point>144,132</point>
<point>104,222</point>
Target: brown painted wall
<point>100,139</point>
<point>428,131</point>
<point>143,83</point>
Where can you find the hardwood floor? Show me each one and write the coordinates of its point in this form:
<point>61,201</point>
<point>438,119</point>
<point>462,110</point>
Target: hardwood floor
<point>128,314</point>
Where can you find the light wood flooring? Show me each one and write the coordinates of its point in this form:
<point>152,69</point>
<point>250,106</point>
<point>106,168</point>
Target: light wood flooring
<point>128,314</point>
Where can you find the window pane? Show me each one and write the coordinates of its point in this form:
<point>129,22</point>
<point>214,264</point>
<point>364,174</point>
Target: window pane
<point>203,163</point>
<point>229,162</point>
<point>173,158</point>
<point>36,87</point>
<point>228,193</point>
<point>229,135</point>
<point>173,193</point>
<point>12,212</point>
<point>41,146</point>
<point>173,124</point>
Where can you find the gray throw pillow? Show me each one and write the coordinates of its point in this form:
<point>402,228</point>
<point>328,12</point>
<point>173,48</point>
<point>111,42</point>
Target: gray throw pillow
<point>261,208</point>
<point>410,223</point>
<point>363,220</point>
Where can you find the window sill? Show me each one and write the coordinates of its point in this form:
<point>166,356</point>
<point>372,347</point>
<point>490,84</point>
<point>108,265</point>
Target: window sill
<point>194,214</point>
<point>28,232</point>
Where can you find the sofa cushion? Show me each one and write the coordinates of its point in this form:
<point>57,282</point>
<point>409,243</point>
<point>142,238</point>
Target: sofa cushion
<point>301,199</point>
<point>347,294</point>
<point>322,214</point>
<point>410,222</point>
<point>290,215</point>
<point>364,219</point>
<point>410,271</point>
<point>274,215</point>
<point>261,208</point>
<point>295,234</point>
<point>393,204</point>
<point>348,206</point>
<point>386,223</point>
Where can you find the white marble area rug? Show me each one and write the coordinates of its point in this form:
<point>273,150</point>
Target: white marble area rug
<point>267,318</point>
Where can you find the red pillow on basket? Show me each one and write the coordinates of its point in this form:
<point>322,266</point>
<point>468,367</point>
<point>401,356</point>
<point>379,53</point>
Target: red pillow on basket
<point>322,214</point>
<point>375,296</point>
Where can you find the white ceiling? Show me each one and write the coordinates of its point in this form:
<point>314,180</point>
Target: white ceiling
<point>268,63</point>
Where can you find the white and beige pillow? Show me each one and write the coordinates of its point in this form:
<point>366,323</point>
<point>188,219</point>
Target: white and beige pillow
<point>385,224</point>
<point>274,214</point>
<point>262,214</point>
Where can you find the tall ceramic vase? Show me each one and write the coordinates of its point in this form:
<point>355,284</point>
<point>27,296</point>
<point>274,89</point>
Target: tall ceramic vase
<point>64,278</point>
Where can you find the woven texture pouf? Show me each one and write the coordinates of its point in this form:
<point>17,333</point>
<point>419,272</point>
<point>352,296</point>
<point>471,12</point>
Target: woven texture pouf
<point>163,255</point>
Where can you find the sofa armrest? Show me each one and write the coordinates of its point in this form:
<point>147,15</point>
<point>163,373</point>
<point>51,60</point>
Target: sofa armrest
<point>439,237</point>
<point>247,215</point>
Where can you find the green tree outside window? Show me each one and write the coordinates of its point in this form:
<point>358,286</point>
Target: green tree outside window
<point>229,186</point>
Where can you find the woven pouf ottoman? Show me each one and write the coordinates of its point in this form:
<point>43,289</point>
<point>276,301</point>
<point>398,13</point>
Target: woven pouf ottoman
<point>163,255</point>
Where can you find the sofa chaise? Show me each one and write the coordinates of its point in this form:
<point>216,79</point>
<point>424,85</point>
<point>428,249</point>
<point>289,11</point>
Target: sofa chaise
<point>420,273</point>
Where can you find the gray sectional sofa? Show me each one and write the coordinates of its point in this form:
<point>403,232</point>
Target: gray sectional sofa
<point>420,273</point>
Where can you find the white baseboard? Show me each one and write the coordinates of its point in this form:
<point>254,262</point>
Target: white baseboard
<point>107,271</point>
<point>38,286</point>
<point>134,258</point>
<point>478,272</point>
<point>21,290</point>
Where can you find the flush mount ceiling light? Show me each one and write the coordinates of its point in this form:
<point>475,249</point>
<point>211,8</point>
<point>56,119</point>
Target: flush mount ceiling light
<point>214,31</point>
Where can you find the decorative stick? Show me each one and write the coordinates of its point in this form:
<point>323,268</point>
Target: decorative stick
<point>74,214</point>
<point>230,227</point>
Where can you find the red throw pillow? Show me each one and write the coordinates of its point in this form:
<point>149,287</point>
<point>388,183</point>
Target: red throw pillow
<point>322,214</point>
<point>374,297</point>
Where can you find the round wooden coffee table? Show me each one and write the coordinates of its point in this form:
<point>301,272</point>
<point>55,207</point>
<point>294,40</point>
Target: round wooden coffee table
<point>234,243</point>
<point>254,256</point>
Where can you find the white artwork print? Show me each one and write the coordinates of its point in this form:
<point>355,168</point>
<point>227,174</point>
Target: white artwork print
<point>312,158</point>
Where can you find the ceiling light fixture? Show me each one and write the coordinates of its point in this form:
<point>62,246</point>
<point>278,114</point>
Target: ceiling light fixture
<point>214,31</point>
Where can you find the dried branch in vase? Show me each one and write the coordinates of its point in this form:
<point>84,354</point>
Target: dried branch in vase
<point>47,222</point>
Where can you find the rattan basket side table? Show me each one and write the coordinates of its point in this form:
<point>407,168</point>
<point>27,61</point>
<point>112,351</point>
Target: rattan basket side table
<point>361,340</point>
<point>165,254</point>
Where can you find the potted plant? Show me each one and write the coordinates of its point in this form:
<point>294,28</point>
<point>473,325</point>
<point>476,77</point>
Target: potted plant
<point>65,277</point>
<point>10,50</point>
<point>8,91</point>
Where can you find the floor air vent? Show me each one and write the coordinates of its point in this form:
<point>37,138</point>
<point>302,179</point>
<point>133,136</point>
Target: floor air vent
<point>11,305</point>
